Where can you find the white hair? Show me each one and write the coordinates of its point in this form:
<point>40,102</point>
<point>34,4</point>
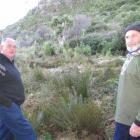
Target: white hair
<point>7,40</point>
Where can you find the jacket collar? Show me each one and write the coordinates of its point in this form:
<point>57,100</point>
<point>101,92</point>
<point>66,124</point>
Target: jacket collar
<point>6,59</point>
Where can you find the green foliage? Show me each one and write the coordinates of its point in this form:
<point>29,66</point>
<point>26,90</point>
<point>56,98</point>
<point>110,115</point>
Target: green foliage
<point>96,26</point>
<point>60,22</point>
<point>74,42</point>
<point>107,48</point>
<point>38,75</point>
<point>114,46</point>
<point>74,115</point>
<point>48,136</point>
<point>30,21</point>
<point>94,42</point>
<point>132,17</point>
<point>68,52</point>
<point>88,45</point>
<point>39,40</point>
<point>83,49</point>
<point>74,82</point>
<point>90,122</point>
<point>36,118</point>
<point>48,49</point>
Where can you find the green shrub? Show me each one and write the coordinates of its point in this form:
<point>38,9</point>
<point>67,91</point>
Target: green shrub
<point>94,42</point>
<point>115,46</point>
<point>91,122</point>
<point>48,136</point>
<point>97,44</point>
<point>131,17</point>
<point>75,116</point>
<point>38,75</point>
<point>55,21</point>
<point>48,49</point>
<point>36,118</point>
<point>73,82</point>
<point>68,52</point>
<point>96,27</point>
<point>39,40</point>
<point>83,49</point>
<point>59,22</point>
<point>118,44</point>
<point>79,83</point>
<point>30,21</point>
<point>74,42</point>
<point>107,49</point>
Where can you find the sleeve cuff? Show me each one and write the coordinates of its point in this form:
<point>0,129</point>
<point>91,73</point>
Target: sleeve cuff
<point>137,122</point>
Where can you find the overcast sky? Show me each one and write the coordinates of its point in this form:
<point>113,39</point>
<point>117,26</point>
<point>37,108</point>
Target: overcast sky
<point>13,10</point>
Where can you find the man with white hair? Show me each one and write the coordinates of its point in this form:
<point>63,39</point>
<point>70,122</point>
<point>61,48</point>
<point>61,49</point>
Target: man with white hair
<point>12,121</point>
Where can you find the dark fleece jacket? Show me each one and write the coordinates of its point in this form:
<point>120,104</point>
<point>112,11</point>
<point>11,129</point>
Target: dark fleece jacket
<point>11,86</point>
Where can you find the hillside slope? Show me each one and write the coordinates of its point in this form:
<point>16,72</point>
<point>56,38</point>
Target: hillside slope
<point>61,21</point>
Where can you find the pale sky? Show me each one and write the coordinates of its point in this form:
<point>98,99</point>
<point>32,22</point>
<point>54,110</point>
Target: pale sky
<point>13,10</point>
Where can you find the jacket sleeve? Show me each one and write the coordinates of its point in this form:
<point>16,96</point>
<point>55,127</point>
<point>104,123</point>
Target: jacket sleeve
<point>2,72</point>
<point>3,100</point>
<point>137,119</point>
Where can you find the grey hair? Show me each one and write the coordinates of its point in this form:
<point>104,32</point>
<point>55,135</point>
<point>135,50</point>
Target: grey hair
<point>6,40</point>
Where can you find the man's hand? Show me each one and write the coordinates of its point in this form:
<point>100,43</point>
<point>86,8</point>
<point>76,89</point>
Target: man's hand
<point>134,130</point>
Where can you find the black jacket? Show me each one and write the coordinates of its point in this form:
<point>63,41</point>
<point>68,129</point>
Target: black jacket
<point>11,86</point>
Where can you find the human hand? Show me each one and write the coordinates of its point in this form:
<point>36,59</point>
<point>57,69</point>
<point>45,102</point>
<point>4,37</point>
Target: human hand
<point>134,130</point>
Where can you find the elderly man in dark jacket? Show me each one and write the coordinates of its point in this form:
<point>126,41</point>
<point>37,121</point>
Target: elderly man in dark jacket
<point>12,121</point>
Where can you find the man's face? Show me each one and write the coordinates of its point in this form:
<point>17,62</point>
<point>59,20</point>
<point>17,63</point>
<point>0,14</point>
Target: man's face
<point>132,38</point>
<point>9,49</point>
